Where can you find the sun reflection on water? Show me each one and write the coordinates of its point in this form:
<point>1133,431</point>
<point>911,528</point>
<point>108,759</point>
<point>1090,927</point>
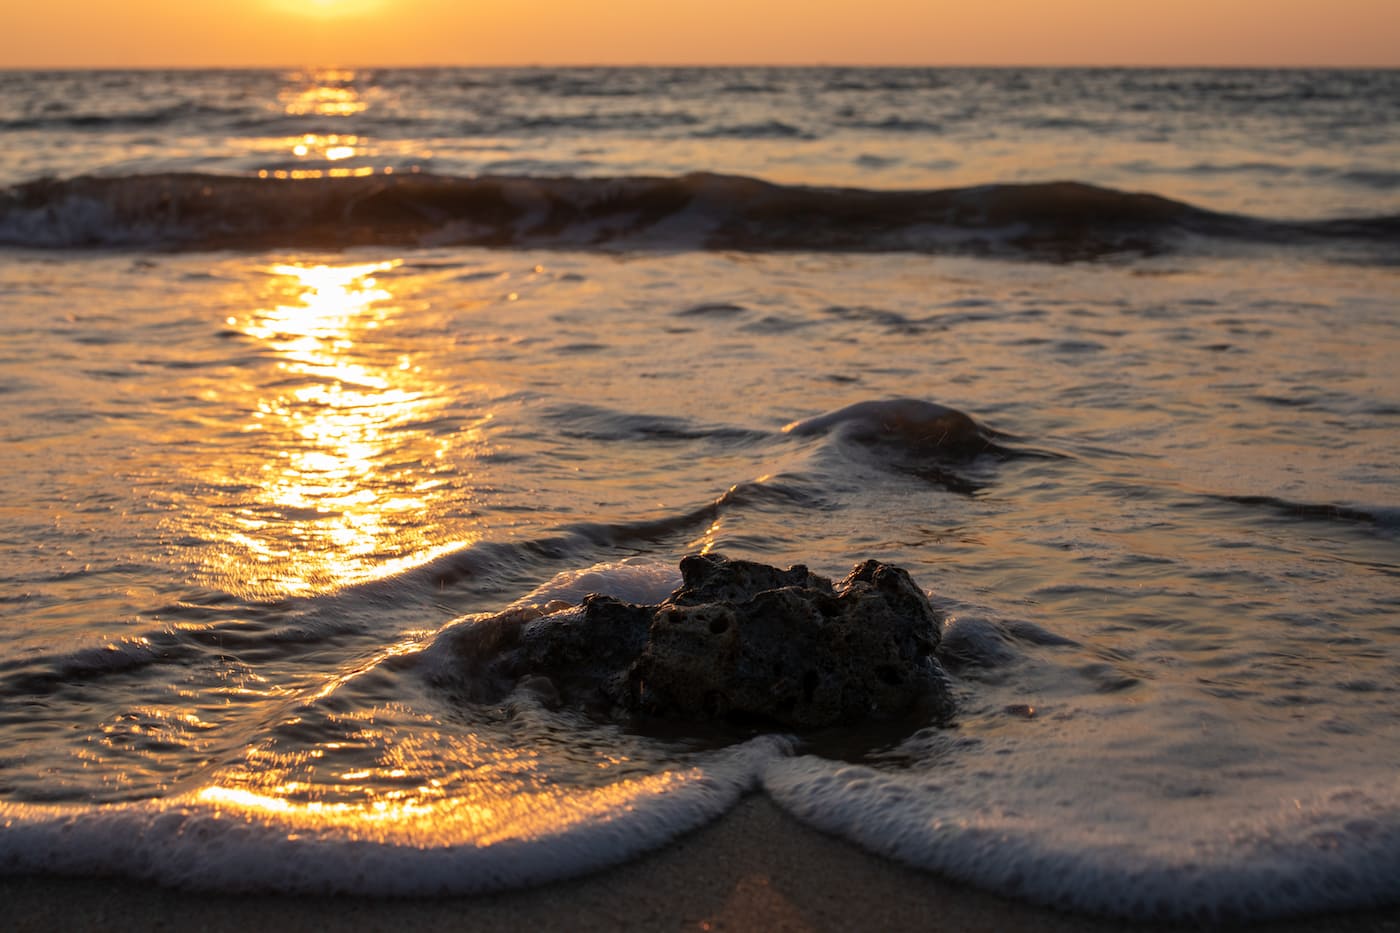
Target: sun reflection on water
<point>370,778</point>
<point>331,146</point>
<point>325,93</point>
<point>347,468</point>
<point>490,814</point>
<point>328,143</point>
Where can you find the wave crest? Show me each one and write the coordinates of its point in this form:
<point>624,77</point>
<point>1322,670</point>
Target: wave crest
<point>1057,220</point>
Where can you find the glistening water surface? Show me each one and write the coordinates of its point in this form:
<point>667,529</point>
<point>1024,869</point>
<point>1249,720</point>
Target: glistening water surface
<point>258,484</point>
<point>251,495</point>
<point>1280,143</point>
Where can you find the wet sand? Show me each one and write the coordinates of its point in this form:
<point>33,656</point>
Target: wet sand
<point>755,869</point>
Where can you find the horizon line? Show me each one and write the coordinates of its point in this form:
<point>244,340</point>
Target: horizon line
<point>523,65</point>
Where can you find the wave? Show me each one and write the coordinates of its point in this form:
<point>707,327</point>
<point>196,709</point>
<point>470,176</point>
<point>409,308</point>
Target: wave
<point>1332,850</point>
<point>940,445</point>
<point>255,631</point>
<point>1378,517</point>
<point>488,839</point>
<point>771,129</point>
<point>596,423</point>
<point>1016,829</point>
<point>135,119</point>
<point>1053,220</point>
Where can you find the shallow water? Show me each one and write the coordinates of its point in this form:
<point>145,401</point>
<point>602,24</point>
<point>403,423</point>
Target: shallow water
<point>248,495</point>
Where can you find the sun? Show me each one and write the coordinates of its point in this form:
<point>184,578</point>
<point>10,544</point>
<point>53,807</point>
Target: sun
<point>327,9</point>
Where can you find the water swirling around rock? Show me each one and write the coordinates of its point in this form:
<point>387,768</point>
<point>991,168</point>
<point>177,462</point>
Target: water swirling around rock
<point>738,642</point>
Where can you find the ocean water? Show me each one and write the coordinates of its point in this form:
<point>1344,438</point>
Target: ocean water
<point>303,373</point>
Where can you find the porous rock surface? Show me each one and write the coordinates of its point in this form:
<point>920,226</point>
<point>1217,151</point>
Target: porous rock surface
<point>738,641</point>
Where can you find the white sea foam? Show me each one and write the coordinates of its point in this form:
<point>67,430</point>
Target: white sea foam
<point>1333,850</point>
<point>230,840</point>
<point>634,580</point>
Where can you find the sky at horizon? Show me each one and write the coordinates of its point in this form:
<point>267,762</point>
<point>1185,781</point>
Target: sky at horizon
<point>276,33</point>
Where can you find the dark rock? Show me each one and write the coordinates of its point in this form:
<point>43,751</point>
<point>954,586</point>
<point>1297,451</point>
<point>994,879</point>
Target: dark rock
<point>738,641</point>
<point>711,578</point>
<point>576,655</point>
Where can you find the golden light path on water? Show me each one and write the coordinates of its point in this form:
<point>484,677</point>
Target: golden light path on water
<point>479,815</point>
<point>325,93</point>
<point>329,94</point>
<point>346,472</point>
<point>343,476</point>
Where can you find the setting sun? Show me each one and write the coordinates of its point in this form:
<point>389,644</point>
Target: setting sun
<point>327,9</point>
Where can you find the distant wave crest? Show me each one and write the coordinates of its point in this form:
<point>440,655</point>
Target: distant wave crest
<point>1055,220</point>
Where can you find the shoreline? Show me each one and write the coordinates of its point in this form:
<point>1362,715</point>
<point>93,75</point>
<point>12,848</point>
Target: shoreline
<point>756,868</point>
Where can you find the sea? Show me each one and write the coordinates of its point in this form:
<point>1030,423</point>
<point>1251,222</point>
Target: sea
<point>304,373</point>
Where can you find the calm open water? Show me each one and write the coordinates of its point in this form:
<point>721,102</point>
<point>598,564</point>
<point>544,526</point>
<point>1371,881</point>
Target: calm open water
<point>301,371</point>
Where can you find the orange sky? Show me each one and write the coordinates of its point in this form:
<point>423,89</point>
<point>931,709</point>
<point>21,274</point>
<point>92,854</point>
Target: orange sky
<point>95,33</point>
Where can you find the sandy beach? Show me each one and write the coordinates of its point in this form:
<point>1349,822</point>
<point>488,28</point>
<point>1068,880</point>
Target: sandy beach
<point>755,869</point>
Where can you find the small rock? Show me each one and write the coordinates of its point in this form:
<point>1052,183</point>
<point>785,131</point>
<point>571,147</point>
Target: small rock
<point>738,641</point>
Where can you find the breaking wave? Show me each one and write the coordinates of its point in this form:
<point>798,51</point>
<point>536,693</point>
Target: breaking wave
<point>1053,220</point>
